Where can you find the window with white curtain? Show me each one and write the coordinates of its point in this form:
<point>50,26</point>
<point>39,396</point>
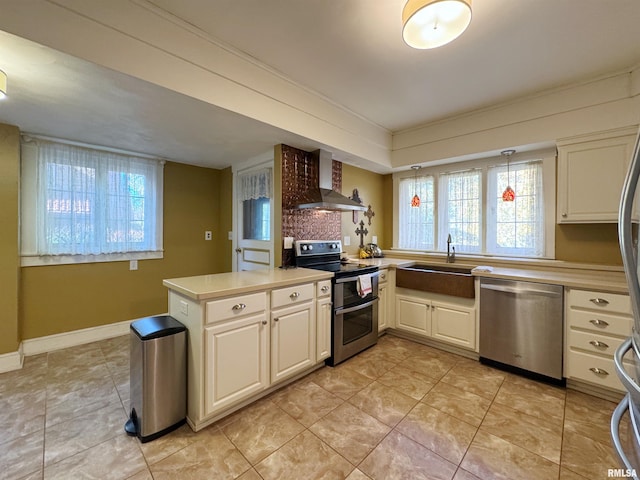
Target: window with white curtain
<point>416,230</point>
<point>90,204</point>
<point>255,194</point>
<point>460,210</point>
<point>518,227</point>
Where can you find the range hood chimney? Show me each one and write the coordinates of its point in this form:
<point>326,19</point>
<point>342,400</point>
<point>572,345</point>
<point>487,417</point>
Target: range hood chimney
<point>324,197</point>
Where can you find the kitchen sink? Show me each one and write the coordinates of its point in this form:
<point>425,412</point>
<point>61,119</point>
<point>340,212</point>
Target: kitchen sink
<point>444,279</point>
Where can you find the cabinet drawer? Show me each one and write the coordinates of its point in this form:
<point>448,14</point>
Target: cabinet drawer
<point>236,307</point>
<point>594,369</point>
<point>383,276</point>
<point>605,302</point>
<point>292,295</point>
<point>601,322</point>
<point>594,342</point>
<point>323,288</point>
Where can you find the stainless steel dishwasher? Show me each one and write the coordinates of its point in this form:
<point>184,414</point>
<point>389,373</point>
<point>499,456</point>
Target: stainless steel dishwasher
<point>521,325</point>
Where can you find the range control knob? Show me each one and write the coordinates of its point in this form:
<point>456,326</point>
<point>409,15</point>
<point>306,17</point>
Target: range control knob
<point>304,247</point>
<point>310,247</point>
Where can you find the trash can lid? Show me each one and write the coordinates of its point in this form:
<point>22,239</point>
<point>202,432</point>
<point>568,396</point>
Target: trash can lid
<point>156,327</point>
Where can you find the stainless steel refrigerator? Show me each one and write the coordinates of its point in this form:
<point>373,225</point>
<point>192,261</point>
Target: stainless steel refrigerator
<point>627,447</point>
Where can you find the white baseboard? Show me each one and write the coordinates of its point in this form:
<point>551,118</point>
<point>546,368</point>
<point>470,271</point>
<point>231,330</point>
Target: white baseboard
<point>11,361</point>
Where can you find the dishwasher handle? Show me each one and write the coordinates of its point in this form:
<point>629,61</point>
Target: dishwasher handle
<point>520,290</point>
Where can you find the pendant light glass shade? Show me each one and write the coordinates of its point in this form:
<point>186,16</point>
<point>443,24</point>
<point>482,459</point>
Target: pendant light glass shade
<point>415,201</point>
<point>508,195</point>
<point>433,23</point>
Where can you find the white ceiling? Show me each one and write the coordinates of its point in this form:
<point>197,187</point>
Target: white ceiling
<point>350,52</point>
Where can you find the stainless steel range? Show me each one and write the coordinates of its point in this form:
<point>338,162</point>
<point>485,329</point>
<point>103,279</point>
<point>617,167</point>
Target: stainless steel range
<point>354,323</point>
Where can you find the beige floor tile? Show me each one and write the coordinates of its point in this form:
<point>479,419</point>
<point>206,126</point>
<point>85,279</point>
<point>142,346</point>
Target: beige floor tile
<point>441,433</point>
<point>143,475</point>
<point>588,416</point>
<point>532,398</point>
<point>466,406</point>
<point>350,431</point>
<point>408,381</point>
<point>371,366</point>
<point>307,402</point>
<point>116,458</point>
<point>478,379</point>
<point>341,381</point>
<point>587,457</point>
<point>490,457</point>
<point>305,453</point>
<point>170,443</point>
<point>22,456</point>
<point>78,404</point>
<point>261,429</point>
<point>250,475</point>
<point>531,433</point>
<point>383,402</point>
<point>430,365</point>
<point>400,457</point>
<point>464,475</point>
<point>68,438</point>
<point>357,475</point>
<point>537,387</point>
<point>214,456</point>
<point>569,475</point>
<point>23,419</point>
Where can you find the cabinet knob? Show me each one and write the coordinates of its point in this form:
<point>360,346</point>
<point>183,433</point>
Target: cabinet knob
<point>264,322</point>
<point>599,371</point>
<point>598,344</point>
<point>276,319</point>
<point>238,307</point>
<point>599,323</point>
<point>294,295</point>
<point>601,302</point>
<point>324,289</point>
<point>383,276</point>
<point>564,215</point>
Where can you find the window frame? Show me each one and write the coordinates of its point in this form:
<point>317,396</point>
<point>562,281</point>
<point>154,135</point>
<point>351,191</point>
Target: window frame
<point>29,219</point>
<point>548,159</point>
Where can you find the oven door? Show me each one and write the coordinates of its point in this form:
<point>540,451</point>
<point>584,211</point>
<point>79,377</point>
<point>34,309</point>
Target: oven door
<point>354,329</point>
<point>345,292</point>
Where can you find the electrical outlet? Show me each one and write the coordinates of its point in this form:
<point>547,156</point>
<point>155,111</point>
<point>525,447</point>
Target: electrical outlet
<point>347,241</point>
<point>288,242</point>
<point>133,264</point>
<point>207,235</point>
<point>230,236</point>
<point>184,307</point>
<point>374,239</point>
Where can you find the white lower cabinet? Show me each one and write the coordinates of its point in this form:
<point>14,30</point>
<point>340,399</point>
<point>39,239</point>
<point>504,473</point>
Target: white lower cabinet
<point>324,309</point>
<point>236,361</point>
<point>383,300</point>
<point>442,320</point>
<point>293,340</point>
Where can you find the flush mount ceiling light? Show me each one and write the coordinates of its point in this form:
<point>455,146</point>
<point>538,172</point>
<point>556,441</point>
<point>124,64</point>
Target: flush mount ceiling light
<point>508,195</point>
<point>3,84</point>
<point>415,201</point>
<point>433,23</point>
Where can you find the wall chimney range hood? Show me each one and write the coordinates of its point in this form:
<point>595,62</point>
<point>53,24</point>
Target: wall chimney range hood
<point>324,197</point>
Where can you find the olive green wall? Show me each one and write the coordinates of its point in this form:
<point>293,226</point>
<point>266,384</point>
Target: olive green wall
<point>9,254</point>
<point>370,187</point>
<point>56,299</point>
<point>595,243</point>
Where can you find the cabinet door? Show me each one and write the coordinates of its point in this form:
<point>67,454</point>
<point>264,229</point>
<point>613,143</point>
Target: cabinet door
<point>413,315</point>
<point>324,309</point>
<point>590,178</point>
<point>454,324</point>
<point>293,340</point>
<point>383,306</point>
<point>236,361</point>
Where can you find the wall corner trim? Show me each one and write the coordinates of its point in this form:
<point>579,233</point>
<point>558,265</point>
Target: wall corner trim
<point>11,361</point>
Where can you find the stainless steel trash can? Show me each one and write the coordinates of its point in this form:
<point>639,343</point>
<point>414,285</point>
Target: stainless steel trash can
<point>158,377</point>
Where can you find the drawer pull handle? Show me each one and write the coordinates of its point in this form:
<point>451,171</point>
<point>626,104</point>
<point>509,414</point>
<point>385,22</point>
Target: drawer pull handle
<point>324,289</point>
<point>599,371</point>
<point>598,344</point>
<point>601,302</point>
<point>238,307</point>
<point>294,295</point>
<point>264,322</point>
<point>599,323</point>
<point>383,276</point>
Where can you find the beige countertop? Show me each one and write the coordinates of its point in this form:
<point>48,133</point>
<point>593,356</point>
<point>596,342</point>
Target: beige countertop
<point>204,287</point>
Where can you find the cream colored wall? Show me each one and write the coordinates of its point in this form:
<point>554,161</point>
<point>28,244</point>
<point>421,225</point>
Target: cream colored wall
<point>370,187</point>
<point>56,299</point>
<point>9,253</point>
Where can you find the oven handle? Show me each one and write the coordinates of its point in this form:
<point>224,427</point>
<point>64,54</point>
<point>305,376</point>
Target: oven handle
<point>353,279</point>
<point>340,311</point>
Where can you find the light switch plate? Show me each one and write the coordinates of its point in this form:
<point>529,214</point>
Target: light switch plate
<point>133,264</point>
<point>230,236</point>
<point>346,241</point>
<point>288,242</point>
<point>374,239</point>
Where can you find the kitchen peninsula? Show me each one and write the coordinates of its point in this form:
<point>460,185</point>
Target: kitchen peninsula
<point>248,333</point>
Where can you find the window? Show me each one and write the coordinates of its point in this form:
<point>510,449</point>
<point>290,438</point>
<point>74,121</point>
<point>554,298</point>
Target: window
<point>416,231</point>
<point>89,204</point>
<point>465,201</point>
<point>255,194</point>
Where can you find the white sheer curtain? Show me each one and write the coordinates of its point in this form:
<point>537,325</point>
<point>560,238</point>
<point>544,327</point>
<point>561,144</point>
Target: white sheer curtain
<point>416,224</point>
<point>518,227</point>
<point>460,210</point>
<point>92,202</point>
<point>256,184</point>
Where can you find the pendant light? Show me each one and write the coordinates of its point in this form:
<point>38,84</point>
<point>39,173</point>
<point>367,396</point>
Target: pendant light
<point>433,23</point>
<point>508,195</point>
<point>415,201</point>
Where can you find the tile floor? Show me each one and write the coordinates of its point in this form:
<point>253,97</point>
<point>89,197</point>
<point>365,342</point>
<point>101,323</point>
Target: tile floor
<point>400,410</point>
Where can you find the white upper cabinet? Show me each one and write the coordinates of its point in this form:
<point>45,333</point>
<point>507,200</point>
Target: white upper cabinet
<point>591,171</point>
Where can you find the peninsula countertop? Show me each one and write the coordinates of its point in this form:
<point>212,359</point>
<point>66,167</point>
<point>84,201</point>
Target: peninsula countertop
<point>204,287</point>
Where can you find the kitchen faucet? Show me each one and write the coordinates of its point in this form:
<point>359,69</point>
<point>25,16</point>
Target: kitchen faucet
<point>451,255</point>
